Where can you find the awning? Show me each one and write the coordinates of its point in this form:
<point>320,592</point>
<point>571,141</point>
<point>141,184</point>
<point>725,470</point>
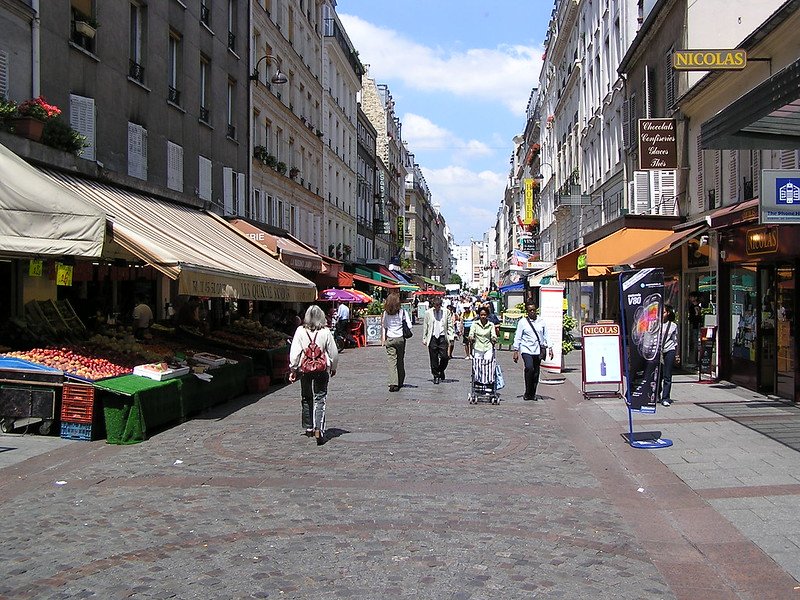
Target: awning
<point>542,277</point>
<point>288,251</point>
<point>431,282</point>
<point>658,250</point>
<point>766,117</point>
<point>204,253</point>
<point>567,265</point>
<point>734,214</point>
<point>514,287</point>
<point>369,280</point>
<point>42,218</point>
<point>405,283</point>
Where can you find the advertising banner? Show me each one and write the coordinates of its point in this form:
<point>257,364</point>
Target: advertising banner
<point>551,310</point>
<point>780,197</point>
<point>641,297</point>
<point>528,218</point>
<point>658,144</point>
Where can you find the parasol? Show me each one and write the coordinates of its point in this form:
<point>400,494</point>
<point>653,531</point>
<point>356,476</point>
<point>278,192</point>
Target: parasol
<point>336,295</point>
<point>365,298</point>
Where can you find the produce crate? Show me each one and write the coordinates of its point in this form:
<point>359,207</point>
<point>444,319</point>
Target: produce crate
<point>77,403</point>
<point>77,431</point>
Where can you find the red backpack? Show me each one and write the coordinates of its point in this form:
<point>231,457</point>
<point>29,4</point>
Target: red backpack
<point>313,359</point>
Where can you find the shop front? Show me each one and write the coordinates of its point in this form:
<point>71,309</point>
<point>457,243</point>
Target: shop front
<point>757,283</point>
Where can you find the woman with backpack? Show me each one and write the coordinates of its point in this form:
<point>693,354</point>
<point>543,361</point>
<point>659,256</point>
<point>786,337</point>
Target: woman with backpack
<point>312,359</point>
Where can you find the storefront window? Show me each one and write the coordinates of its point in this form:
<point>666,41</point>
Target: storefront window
<point>699,311</point>
<point>743,313</point>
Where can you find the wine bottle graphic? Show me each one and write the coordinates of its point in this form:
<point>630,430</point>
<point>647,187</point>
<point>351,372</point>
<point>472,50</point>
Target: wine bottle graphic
<point>602,366</point>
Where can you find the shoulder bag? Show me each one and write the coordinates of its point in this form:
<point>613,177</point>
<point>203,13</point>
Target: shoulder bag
<point>542,347</point>
<point>407,333</point>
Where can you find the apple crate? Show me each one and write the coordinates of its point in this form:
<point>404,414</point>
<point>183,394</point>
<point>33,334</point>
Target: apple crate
<point>77,403</point>
<point>77,431</point>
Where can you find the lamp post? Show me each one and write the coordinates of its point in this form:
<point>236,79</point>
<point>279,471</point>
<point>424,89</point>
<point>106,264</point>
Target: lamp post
<point>279,77</point>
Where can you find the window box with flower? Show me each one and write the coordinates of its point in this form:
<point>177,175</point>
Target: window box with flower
<point>86,26</point>
<point>31,116</point>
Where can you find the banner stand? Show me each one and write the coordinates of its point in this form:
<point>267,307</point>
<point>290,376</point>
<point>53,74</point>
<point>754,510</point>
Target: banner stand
<point>641,308</point>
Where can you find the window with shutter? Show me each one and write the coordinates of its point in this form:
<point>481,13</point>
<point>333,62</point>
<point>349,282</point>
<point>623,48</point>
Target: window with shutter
<point>227,190</point>
<point>641,192</point>
<point>4,84</point>
<point>174,167</point>
<point>647,93</point>
<point>204,178</point>
<point>701,190</point>
<point>626,124</point>
<point>788,159</point>
<point>733,175</point>
<point>718,178</point>
<point>666,200</point>
<point>756,173</point>
<point>241,191</point>
<point>254,210</point>
<point>137,151</point>
<point>669,81</point>
<point>82,120</point>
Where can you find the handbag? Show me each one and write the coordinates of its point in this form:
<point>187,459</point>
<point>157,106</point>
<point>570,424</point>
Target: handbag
<point>407,333</point>
<point>542,347</point>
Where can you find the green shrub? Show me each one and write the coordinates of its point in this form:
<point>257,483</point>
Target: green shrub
<point>375,308</point>
<point>567,338</point>
<point>58,134</point>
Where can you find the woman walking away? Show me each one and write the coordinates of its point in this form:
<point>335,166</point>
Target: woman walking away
<point>392,338</point>
<point>530,340</point>
<point>313,357</point>
<point>482,334</point>
<point>669,346</point>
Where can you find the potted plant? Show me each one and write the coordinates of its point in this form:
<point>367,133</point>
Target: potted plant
<point>281,167</point>
<point>86,26</point>
<point>346,250</point>
<point>31,116</point>
<point>294,172</point>
<point>260,153</point>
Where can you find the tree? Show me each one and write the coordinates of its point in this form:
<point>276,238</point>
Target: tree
<point>455,278</point>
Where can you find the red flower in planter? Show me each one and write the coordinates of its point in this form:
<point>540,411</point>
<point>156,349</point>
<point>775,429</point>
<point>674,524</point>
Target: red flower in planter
<point>38,108</point>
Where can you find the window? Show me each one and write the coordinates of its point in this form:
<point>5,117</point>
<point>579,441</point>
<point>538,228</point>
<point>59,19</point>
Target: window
<point>232,25</point>
<point>204,178</point>
<point>241,189</point>
<point>205,89</point>
<point>669,80</point>
<point>174,167</point>
<point>136,55</point>
<point>3,74</point>
<point>205,12</point>
<point>228,192</point>
<point>137,151</point>
<point>83,25</point>
<point>82,120</point>
<point>174,94</point>
<point>231,132</point>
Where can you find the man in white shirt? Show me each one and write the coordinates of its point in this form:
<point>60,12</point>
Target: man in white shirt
<point>530,340</point>
<point>142,318</point>
<point>438,331</point>
<point>343,319</point>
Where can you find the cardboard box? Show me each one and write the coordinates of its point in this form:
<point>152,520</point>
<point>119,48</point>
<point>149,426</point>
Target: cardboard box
<point>159,371</point>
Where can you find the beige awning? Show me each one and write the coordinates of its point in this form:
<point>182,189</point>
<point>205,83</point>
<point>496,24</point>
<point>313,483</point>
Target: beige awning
<point>288,251</point>
<point>206,255</point>
<point>41,218</point>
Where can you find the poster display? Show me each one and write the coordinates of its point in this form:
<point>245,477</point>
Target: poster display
<point>641,306</point>
<point>602,357</point>
<point>551,309</point>
<point>372,329</point>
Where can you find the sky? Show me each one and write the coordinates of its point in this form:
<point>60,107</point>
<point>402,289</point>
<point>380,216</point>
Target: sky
<point>461,74</point>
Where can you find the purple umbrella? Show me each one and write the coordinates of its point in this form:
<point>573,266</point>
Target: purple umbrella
<point>335,295</point>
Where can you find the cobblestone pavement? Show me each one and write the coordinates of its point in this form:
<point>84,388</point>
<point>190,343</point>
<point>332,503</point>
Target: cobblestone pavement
<point>417,494</point>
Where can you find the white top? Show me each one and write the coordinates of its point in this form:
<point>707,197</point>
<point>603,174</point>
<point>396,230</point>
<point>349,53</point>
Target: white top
<point>142,315</point>
<point>393,324</point>
<point>302,338</point>
<point>669,336</point>
<point>343,313</point>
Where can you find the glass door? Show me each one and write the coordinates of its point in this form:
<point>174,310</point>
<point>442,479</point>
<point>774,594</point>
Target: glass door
<point>767,356</point>
<point>744,339</point>
<point>784,327</point>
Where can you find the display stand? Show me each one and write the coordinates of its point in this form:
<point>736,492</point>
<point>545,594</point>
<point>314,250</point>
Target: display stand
<point>705,354</point>
<point>601,360</point>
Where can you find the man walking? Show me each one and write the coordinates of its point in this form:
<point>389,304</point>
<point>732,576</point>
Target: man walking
<point>530,340</point>
<point>438,331</point>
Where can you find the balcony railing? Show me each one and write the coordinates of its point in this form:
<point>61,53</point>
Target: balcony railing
<point>205,15</point>
<point>135,71</point>
<point>230,131</point>
<point>231,40</point>
<point>173,95</point>
<point>205,115</point>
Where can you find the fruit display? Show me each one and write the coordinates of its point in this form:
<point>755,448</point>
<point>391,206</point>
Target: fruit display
<point>113,346</point>
<point>244,334</point>
<point>75,360</point>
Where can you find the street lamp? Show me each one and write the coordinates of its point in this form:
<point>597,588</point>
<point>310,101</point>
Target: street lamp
<point>279,78</point>
<point>539,175</point>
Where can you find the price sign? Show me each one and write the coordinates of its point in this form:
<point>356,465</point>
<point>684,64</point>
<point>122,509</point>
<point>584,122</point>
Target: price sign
<point>35,268</point>
<point>63,274</point>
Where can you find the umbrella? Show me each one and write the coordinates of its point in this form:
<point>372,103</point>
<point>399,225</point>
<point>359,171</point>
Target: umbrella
<point>365,298</point>
<point>335,295</point>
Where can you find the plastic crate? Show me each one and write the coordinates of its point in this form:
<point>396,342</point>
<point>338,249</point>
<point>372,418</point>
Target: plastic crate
<point>76,431</point>
<point>77,403</point>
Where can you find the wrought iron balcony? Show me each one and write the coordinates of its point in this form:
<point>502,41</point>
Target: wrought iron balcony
<point>135,71</point>
<point>205,115</point>
<point>174,95</point>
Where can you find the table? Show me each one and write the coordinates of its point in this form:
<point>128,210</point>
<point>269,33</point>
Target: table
<point>229,381</point>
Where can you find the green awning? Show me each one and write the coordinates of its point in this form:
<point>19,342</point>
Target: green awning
<point>431,282</point>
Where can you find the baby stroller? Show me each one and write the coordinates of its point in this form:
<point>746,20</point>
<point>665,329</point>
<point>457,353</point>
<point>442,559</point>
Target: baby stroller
<point>484,380</point>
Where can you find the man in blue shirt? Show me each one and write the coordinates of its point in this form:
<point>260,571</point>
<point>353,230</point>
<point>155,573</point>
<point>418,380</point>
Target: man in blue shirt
<point>530,340</point>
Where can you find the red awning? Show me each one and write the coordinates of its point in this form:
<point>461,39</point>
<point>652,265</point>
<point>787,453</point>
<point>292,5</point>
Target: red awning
<point>734,214</point>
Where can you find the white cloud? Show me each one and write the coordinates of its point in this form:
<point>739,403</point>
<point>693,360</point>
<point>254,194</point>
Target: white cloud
<point>504,74</point>
<point>423,134</point>
<point>469,199</point>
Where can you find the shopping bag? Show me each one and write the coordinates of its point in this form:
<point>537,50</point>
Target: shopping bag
<point>500,382</point>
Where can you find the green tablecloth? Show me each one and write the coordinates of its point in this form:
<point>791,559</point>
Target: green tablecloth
<point>229,381</point>
<point>134,404</point>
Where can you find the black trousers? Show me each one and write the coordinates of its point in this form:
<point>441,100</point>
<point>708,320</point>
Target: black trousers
<point>532,368</point>
<point>439,350</point>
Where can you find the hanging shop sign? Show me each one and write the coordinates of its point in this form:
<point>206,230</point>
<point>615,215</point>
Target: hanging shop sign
<point>35,268</point>
<point>709,60</point>
<point>780,196</point>
<point>63,275</point>
<point>528,219</point>
<point>641,297</point>
<point>761,240</point>
<point>658,144</point>
<point>582,261</point>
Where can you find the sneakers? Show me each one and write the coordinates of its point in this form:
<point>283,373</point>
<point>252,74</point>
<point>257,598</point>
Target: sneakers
<point>394,388</point>
<point>666,402</point>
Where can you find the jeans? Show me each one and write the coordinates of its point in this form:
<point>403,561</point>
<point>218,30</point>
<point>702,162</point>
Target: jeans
<point>438,350</point>
<point>313,393</point>
<point>532,368</point>
<point>395,355</point>
<point>666,374</point>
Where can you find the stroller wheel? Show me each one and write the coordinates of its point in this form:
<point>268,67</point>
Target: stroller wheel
<point>495,400</point>
<point>471,399</point>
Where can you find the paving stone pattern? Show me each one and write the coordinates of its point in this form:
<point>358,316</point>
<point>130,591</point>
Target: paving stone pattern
<point>416,494</point>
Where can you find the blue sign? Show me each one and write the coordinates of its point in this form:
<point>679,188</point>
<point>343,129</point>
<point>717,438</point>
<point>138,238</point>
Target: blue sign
<point>787,191</point>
